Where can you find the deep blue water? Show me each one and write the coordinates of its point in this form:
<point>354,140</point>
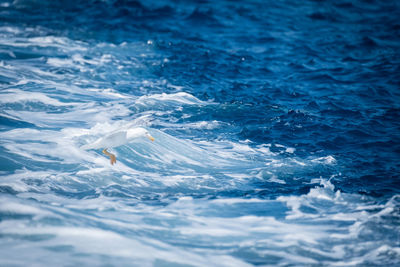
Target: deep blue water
<point>276,125</point>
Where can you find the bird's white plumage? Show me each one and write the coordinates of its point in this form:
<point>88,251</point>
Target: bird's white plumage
<point>118,138</point>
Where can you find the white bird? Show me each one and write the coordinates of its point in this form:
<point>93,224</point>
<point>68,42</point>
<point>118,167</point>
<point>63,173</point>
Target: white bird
<point>117,138</point>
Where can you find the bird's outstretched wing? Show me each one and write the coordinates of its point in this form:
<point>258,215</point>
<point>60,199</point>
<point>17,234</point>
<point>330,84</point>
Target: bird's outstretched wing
<point>111,140</point>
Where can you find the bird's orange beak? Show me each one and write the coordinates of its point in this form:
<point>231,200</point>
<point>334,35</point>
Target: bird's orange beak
<point>151,138</point>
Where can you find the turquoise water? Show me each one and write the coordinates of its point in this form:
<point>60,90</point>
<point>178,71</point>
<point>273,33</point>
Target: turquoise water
<point>276,127</point>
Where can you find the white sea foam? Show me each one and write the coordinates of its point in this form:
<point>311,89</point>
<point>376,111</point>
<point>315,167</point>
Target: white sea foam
<point>325,160</point>
<point>232,201</point>
<point>9,29</point>
<point>16,95</point>
<point>194,219</point>
<point>46,41</point>
<point>208,125</point>
<point>275,179</point>
<point>17,208</point>
<point>290,150</point>
<point>176,98</point>
<point>89,240</point>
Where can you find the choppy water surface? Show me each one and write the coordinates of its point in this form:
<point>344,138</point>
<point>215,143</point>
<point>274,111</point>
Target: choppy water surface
<point>276,124</point>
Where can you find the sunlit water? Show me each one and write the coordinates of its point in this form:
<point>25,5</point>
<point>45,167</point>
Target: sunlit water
<point>276,127</point>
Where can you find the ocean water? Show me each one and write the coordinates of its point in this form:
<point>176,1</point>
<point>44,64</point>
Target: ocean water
<point>276,126</point>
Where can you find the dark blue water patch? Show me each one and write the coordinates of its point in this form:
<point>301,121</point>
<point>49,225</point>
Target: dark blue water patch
<point>10,162</point>
<point>18,55</point>
<point>7,123</point>
<point>4,80</point>
<point>203,18</point>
